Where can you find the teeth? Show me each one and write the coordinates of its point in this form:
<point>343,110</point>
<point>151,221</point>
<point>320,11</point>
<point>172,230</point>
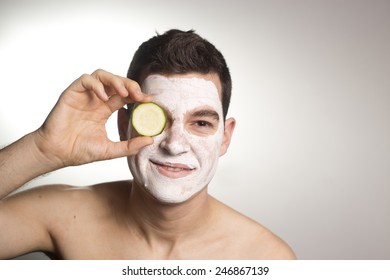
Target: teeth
<point>174,168</point>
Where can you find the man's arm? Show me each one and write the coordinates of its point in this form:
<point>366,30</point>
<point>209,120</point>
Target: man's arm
<point>21,162</point>
<point>24,223</point>
<point>74,133</point>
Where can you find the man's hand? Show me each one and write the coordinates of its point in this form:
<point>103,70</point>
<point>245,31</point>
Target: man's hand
<point>74,133</point>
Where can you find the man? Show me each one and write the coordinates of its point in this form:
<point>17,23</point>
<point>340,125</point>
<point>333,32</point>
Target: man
<point>165,212</point>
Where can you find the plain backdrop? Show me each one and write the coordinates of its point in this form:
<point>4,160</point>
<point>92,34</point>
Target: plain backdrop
<point>310,157</point>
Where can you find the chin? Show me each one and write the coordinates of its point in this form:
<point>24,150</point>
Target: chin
<point>172,199</point>
<point>168,199</point>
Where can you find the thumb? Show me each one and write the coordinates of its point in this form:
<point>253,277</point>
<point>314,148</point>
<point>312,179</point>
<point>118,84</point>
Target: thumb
<point>129,147</point>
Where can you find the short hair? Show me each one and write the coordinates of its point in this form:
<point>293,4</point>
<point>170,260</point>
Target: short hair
<point>180,52</point>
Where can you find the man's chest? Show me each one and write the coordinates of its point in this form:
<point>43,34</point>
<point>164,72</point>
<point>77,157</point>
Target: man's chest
<point>113,245</point>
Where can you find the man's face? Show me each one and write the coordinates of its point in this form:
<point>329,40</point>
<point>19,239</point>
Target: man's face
<point>183,158</point>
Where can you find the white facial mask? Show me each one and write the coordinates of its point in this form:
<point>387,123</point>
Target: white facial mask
<point>180,163</point>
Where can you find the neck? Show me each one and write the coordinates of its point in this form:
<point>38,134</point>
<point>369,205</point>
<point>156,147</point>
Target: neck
<point>170,224</point>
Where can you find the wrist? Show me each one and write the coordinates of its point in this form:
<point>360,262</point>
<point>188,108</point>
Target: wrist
<point>44,152</point>
<point>21,162</point>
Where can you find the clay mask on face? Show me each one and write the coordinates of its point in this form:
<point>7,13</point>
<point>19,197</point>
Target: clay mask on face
<point>180,162</point>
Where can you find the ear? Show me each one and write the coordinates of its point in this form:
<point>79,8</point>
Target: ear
<point>123,124</point>
<point>230,124</point>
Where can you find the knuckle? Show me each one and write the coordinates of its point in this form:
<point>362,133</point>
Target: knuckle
<point>85,76</point>
<point>98,72</point>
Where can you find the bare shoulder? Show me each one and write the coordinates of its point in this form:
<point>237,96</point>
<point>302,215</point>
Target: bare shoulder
<point>49,217</point>
<point>37,198</point>
<point>267,245</point>
<point>251,240</point>
<point>64,201</point>
<point>27,220</point>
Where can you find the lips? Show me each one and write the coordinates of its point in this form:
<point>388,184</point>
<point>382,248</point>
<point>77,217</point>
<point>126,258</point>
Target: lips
<point>173,170</point>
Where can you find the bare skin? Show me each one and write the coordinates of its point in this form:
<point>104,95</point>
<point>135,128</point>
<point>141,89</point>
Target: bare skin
<point>115,220</point>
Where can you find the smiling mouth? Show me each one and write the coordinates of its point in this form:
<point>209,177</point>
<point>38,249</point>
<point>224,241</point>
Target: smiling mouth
<point>172,170</point>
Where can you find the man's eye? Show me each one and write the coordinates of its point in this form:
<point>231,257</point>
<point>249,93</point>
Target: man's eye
<point>203,123</point>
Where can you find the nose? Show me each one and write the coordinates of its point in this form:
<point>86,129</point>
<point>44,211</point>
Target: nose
<point>175,142</point>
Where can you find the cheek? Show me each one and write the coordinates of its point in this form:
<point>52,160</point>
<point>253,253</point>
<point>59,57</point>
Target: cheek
<point>149,150</point>
<point>206,148</point>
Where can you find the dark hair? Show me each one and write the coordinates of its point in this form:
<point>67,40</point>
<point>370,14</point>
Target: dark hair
<point>180,52</point>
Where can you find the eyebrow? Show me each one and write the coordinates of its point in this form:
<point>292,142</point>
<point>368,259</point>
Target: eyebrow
<point>206,113</point>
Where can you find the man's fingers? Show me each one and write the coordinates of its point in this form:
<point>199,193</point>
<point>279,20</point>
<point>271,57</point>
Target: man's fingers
<point>128,148</point>
<point>87,82</point>
<point>119,85</point>
<point>116,102</point>
<point>105,86</point>
<point>135,93</point>
<point>113,90</point>
<point>113,83</point>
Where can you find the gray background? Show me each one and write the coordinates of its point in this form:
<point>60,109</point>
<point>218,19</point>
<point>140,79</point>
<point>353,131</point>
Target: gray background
<point>310,157</point>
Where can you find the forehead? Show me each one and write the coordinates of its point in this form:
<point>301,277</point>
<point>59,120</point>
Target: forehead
<point>190,90</point>
<point>212,77</point>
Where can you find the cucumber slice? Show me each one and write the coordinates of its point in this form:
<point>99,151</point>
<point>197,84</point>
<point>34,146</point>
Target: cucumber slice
<point>148,119</point>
